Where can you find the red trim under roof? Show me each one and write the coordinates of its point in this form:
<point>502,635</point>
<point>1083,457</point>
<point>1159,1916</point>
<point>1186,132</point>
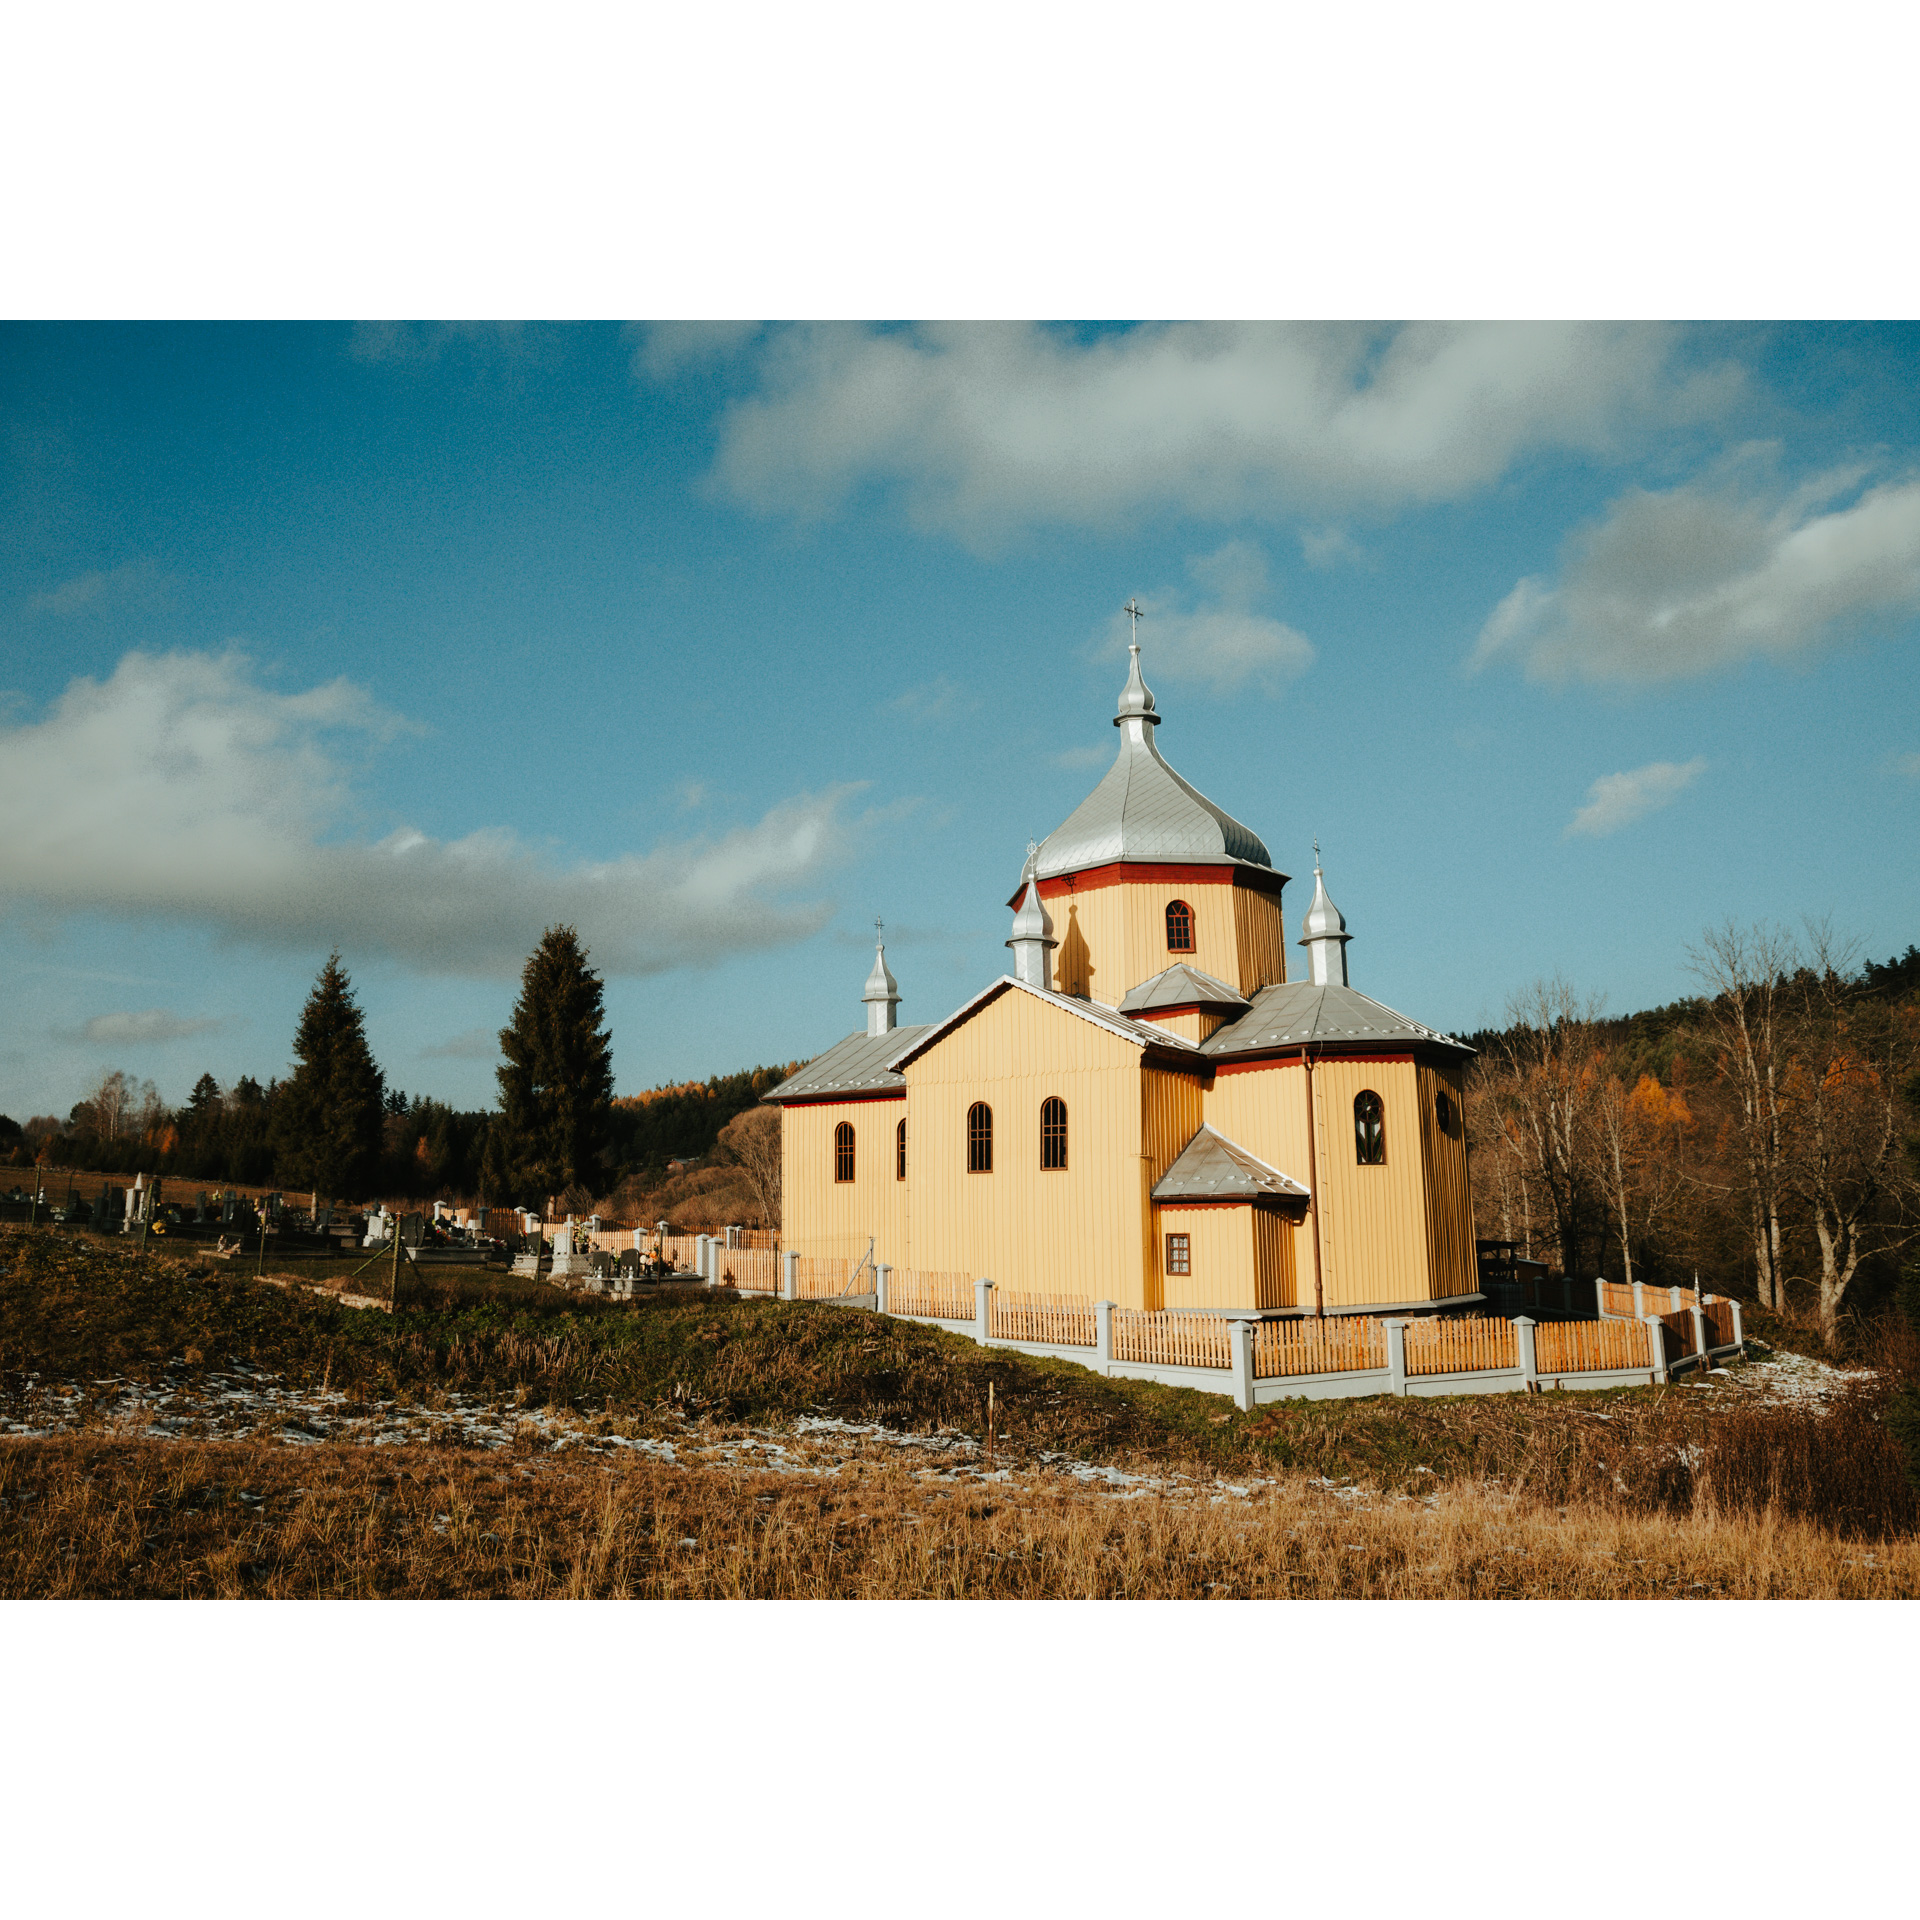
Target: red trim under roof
<point>842,1099</point>
<point>1145,873</point>
<point>1292,1058</point>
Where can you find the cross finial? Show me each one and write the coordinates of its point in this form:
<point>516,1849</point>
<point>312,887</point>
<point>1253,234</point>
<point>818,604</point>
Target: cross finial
<point>878,925</point>
<point>1316,853</point>
<point>1136,613</point>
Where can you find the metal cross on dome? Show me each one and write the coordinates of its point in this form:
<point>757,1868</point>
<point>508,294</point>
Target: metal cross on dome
<point>1136,613</point>
<point>878,926</point>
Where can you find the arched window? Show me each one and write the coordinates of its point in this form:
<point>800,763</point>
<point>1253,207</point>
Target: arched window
<point>843,1151</point>
<point>1053,1136</point>
<point>900,1151</point>
<point>1443,1110</point>
<point>1369,1130</point>
<point>979,1138</point>
<point>1179,927</point>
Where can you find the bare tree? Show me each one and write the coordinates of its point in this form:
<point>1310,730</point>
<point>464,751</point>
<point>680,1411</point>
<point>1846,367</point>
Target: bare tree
<point>1546,1092</point>
<point>1851,1054</point>
<point>1747,972</point>
<point>752,1139</point>
<point>1637,1157</point>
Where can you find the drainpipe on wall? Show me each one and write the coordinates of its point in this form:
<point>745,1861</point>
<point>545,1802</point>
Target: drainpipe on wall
<point>1313,1177</point>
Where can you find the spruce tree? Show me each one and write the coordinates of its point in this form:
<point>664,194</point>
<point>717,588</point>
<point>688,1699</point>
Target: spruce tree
<point>556,1082</point>
<point>327,1118</point>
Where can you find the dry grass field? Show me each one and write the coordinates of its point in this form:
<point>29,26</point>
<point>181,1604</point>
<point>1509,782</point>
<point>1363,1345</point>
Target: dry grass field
<point>165,1431</point>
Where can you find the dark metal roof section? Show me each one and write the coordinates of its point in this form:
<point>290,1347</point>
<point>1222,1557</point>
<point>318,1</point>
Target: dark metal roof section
<point>1301,1014</point>
<point>1182,986</point>
<point>1212,1167</point>
<point>858,1064</point>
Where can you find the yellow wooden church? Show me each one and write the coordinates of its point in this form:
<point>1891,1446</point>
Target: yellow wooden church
<point>1146,1109</point>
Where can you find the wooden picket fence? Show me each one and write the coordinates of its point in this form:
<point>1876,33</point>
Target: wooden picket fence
<point>817,1278</point>
<point>1616,1299</point>
<point>1719,1323</point>
<point>755,1268</point>
<point>1050,1319</point>
<point>677,1249</point>
<point>931,1296</point>
<point>1171,1339</point>
<point>1461,1346</point>
<point>1284,1348</point>
<point>1588,1346</point>
<point>759,1239</point>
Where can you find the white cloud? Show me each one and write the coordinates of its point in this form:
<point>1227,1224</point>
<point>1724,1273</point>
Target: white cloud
<point>1667,585</point>
<point>153,1027</point>
<point>477,1043</point>
<point>990,427</point>
<point>940,698</point>
<point>182,788</point>
<point>1221,645</point>
<point>1083,756</point>
<point>668,347</point>
<point>89,592</point>
<point>1617,800</point>
<point>1329,547</point>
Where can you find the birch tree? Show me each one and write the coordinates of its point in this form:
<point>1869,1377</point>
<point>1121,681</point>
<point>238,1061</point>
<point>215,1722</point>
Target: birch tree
<point>1747,972</point>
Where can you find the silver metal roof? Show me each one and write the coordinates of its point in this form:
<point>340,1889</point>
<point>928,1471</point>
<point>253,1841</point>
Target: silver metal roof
<point>1181,986</point>
<point>1143,810</point>
<point>1324,920</point>
<point>1141,1032</point>
<point>1301,1013</point>
<point>858,1064</point>
<point>1212,1167</point>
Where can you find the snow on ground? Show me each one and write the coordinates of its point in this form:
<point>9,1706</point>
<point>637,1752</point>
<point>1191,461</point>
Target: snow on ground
<point>1790,1379</point>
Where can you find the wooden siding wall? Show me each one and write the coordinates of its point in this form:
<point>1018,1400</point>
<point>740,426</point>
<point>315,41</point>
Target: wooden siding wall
<point>1260,939</point>
<point>1172,1106</point>
<point>1221,1243</point>
<point>1195,1024</point>
<point>1451,1262</point>
<point>1275,1248</point>
<point>825,1218</point>
<point>1114,937</point>
<point>1373,1230</point>
<point>1265,1111</point>
<point>1074,1232</point>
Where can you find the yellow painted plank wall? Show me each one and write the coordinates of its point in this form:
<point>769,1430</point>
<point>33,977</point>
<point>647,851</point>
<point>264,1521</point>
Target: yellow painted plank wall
<point>1265,1111</point>
<point>825,1217</point>
<point>1373,1229</point>
<point>1114,937</point>
<point>1260,939</point>
<point>1276,1249</point>
<point>1450,1251</point>
<point>1172,1106</point>
<point>1079,1231</point>
<point>1221,1248</point>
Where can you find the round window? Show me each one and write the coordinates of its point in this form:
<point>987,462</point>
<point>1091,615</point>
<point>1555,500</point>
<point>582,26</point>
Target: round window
<point>1443,1110</point>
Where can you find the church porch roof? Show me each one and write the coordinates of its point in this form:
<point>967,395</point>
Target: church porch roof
<point>1212,1167</point>
<point>1301,1013</point>
<point>851,1067</point>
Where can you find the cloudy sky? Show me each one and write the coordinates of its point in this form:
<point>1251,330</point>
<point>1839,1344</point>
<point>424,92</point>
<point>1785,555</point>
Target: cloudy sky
<point>718,641</point>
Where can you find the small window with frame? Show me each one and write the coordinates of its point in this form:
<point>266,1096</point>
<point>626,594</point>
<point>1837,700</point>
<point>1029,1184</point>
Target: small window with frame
<point>900,1151</point>
<point>1179,1253</point>
<point>843,1152</point>
<point>979,1138</point>
<point>1179,927</point>
<point>1369,1130</point>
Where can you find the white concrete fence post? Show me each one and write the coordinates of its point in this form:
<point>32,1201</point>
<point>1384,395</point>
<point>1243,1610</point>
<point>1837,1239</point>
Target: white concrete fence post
<point>881,1275</point>
<point>700,1255</point>
<point>1656,1348</point>
<point>1240,1343</point>
<point>733,1238</point>
<point>982,1310</point>
<point>789,1276</point>
<point>1103,1334</point>
<point>1700,1332</point>
<point>1739,1331</point>
<point>1639,1300</point>
<point>1396,1356</point>
<point>1524,1352</point>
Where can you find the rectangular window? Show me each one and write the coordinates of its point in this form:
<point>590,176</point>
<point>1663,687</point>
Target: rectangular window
<point>1179,1259</point>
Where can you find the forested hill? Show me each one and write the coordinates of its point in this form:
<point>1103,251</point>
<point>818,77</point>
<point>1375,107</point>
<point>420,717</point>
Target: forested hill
<point>682,1122</point>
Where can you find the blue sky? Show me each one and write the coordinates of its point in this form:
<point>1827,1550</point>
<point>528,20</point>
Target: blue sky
<point>719,640</point>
